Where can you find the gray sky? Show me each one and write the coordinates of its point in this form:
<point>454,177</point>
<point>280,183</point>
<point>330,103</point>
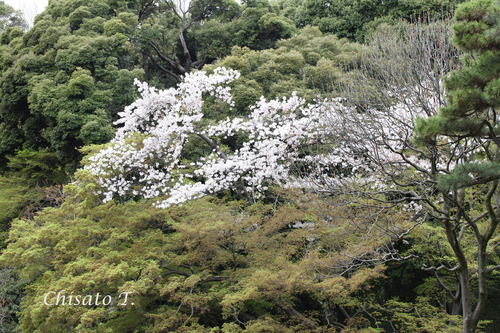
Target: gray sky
<point>30,8</point>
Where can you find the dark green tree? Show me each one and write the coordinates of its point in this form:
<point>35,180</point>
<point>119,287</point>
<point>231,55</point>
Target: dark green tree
<point>11,292</point>
<point>182,36</point>
<point>64,80</point>
<point>164,36</point>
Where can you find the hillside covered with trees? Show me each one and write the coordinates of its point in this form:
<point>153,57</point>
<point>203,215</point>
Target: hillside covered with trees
<point>263,166</point>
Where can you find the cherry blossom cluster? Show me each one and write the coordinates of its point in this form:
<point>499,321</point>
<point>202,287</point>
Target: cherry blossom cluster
<point>373,149</point>
<point>368,148</point>
<point>144,158</point>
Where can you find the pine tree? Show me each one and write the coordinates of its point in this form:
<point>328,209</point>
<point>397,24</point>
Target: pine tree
<point>474,90</point>
<point>470,115</point>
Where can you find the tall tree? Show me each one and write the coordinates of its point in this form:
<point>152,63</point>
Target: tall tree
<point>181,15</point>
<point>393,146</point>
<point>470,115</point>
<point>64,80</point>
<point>187,35</point>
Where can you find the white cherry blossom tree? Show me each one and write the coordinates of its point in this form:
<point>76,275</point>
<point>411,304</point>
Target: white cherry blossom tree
<point>367,153</point>
<point>145,157</point>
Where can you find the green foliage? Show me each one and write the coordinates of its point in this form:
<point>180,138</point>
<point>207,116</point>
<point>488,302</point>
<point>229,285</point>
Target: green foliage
<point>15,195</point>
<point>9,138</point>
<point>259,29</point>
<point>477,25</point>
<point>10,17</point>
<point>64,80</point>
<point>107,242</point>
<point>11,292</point>
<point>29,185</point>
<point>420,316</point>
<point>77,17</point>
<point>191,268</point>
<point>308,63</point>
<point>473,90</point>
<point>217,26</point>
<point>355,19</point>
<point>37,167</point>
<point>470,174</point>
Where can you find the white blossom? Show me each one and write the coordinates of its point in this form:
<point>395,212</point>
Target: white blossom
<point>144,157</point>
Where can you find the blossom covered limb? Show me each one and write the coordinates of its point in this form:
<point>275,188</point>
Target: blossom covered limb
<point>145,157</point>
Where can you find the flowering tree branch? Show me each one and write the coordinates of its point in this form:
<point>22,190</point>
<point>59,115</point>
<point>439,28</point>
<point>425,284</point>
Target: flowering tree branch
<point>145,157</point>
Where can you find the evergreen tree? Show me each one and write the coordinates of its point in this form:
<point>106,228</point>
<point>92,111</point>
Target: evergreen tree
<point>473,97</point>
<point>63,81</point>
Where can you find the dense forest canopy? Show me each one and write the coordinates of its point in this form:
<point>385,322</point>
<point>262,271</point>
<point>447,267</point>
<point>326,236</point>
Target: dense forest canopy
<point>282,166</point>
